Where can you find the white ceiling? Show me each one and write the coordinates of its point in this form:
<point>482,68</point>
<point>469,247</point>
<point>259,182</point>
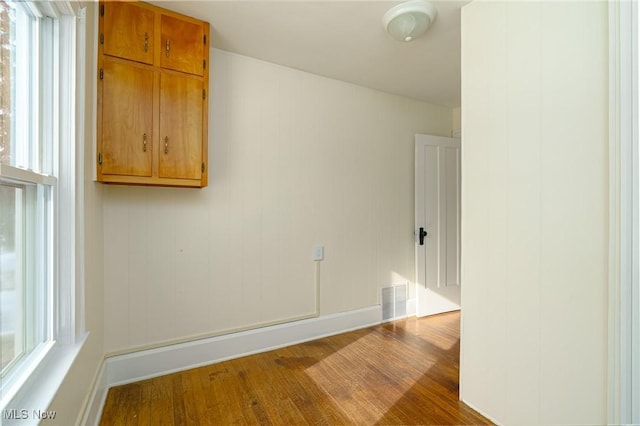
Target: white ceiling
<point>344,40</point>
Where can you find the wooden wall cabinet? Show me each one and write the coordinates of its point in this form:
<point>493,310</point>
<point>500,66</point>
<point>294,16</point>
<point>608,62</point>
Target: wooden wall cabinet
<point>152,96</point>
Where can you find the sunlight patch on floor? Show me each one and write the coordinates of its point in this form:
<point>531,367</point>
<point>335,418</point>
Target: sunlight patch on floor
<point>441,340</point>
<point>363,377</point>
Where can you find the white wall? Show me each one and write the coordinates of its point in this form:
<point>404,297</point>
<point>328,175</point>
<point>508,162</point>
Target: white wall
<point>295,160</point>
<point>77,386</point>
<point>534,216</point>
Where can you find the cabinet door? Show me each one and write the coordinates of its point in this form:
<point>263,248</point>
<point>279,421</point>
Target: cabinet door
<point>127,117</point>
<point>182,45</point>
<point>128,31</point>
<point>181,107</point>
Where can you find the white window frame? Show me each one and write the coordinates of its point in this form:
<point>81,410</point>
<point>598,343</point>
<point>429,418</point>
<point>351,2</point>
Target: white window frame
<point>623,404</point>
<point>35,388</point>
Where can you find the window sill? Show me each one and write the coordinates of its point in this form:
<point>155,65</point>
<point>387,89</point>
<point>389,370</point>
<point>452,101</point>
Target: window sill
<point>31,402</point>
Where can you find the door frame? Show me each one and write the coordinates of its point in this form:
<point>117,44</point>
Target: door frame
<point>623,403</point>
<point>420,273</point>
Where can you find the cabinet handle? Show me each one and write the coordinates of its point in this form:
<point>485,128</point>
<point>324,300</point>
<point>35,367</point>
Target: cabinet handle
<point>166,144</point>
<point>168,47</point>
<point>144,142</point>
<point>146,42</point>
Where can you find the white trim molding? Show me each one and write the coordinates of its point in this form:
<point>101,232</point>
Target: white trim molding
<point>97,398</point>
<point>40,387</point>
<point>623,404</point>
<point>133,367</point>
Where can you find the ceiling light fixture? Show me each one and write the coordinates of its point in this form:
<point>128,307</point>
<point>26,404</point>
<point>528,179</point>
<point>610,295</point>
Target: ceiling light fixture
<point>409,20</point>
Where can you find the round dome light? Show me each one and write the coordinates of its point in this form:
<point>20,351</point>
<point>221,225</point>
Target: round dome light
<point>408,20</point>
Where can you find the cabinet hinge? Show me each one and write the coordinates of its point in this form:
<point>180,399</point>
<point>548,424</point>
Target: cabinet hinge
<point>204,94</point>
<point>202,168</point>
<point>100,158</point>
<point>204,39</point>
<point>101,74</point>
<point>204,64</point>
<point>102,10</point>
<point>101,38</point>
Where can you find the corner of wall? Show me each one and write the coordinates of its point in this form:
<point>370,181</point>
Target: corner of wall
<point>456,119</point>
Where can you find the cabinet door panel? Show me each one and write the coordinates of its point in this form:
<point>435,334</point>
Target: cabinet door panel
<point>127,117</point>
<point>182,45</point>
<point>180,127</point>
<point>128,31</point>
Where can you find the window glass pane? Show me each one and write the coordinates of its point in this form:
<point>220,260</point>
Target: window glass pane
<point>25,273</point>
<point>11,276</point>
<point>24,80</point>
<point>23,63</point>
<point>7,70</point>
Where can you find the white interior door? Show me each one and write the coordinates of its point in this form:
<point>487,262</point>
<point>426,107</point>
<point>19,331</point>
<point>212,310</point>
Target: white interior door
<point>437,224</point>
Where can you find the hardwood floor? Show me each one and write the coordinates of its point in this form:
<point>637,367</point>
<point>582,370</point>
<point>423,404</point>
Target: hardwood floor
<point>404,372</point>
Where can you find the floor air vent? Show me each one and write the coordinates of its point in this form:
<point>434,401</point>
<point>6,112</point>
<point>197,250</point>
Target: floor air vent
<point>394,302</point>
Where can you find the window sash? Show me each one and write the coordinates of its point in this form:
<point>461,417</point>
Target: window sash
<point>32,289</point>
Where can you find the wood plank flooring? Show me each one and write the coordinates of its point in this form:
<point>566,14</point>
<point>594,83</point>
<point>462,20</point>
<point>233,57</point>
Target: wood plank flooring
<point>404,372</point>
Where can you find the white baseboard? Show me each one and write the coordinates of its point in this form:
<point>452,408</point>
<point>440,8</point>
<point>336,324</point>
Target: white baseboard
<point>133,367</point>
<point>474,408</point>
<point>93,410</point>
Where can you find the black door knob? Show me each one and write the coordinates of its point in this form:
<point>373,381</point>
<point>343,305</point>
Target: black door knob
<point>422,233</point>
